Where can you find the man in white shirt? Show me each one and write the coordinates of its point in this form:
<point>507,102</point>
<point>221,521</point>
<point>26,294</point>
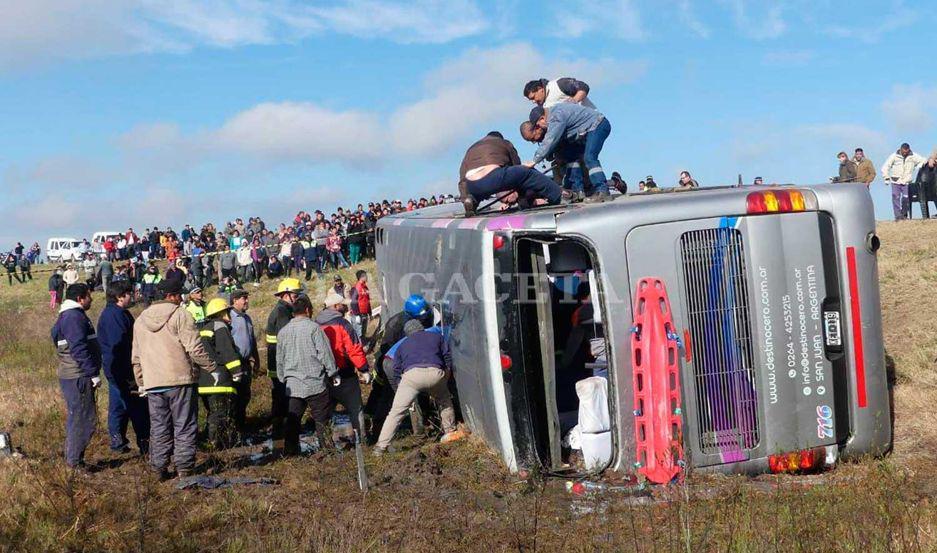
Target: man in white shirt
<point>898,171</point>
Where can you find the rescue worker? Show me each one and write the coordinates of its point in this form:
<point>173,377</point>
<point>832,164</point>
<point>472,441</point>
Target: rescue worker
<point>349,357</point>
<point>150,285</point>
<point>491,166</point>
<point>382,390</point>
<point>124,406</point>
<point>242,329</point>
<point>287,291</point>
<point>196,305</point>
<point>217,388</point>
<point>79,372</point>
<point>360,302</point>
<point>422,363</point>
<point>306,367</point>
<point>166,344</point>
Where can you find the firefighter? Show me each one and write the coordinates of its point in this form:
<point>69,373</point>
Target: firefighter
<point>287,291</point>
<point>217,388</point>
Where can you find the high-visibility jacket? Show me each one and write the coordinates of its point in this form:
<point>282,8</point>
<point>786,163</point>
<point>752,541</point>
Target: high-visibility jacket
<point>216,336</point>
<point>281,314</point>
<point>197,310</point>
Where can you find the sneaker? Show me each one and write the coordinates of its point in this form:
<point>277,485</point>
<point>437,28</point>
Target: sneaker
<point>121,449</point>
<point>453,436</point>
<point>80,470</point>
<point>184,473</point>
<point>378,451</point>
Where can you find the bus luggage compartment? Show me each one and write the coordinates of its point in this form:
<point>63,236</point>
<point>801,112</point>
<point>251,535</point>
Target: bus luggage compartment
<point>756,301</point>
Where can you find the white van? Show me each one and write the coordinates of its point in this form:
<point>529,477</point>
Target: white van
<point>98,239</point>
<point>63,249</point>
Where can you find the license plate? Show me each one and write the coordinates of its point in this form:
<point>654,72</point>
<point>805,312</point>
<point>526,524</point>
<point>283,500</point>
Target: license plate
<point>832,329</point>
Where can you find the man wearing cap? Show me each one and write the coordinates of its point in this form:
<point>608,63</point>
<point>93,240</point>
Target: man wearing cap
<point>242,330</point>
<point>287,291</point>
<point>898,171</point>
<point>491,166</point>
<point>306,366</point>
<point>338,285</point>
<point>567,159</point>
<point>422,362</point>
<point>166,344</point>
<point>217,388</point>
<point>574,122</point>
<point>149,287</point>
<point>196,305</point>
<point>349,357</point>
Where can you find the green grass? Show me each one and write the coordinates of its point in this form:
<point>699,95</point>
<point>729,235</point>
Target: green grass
<point>430,497</point>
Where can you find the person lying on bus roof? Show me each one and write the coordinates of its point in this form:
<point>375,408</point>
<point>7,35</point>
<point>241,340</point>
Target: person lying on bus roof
<point>491,166</point>
<point>574,122</point>
<point>565,89</point>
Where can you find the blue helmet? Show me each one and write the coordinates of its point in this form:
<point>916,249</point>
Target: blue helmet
<point>416,306</point>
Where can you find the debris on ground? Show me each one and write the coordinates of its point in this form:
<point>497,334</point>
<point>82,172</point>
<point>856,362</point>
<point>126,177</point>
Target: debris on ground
<point>218,482</point>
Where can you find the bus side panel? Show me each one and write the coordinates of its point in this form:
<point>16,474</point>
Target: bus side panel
<point>869,390</point>
<point>446,266</point>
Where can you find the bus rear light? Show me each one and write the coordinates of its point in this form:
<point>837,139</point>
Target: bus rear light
<point>775,201</point>
<point>506,362</point>
<point>498,241</point>
<point>796,461</point>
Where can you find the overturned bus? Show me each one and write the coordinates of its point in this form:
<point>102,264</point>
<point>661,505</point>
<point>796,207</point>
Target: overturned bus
<point>728,329</point>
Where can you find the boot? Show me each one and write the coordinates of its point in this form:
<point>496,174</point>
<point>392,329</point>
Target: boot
<point>468,202</point>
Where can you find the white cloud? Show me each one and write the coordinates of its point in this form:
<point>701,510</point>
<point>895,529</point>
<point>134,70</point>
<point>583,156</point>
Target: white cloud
<point>54,172</point>
<point>299,131</point>
<point>758,20</point>
<point>876,25</point>
<point>909,108</point>
<point>40,31</point>
<point>619,18</point>
<point>481,87</point>
<point>689,20</point>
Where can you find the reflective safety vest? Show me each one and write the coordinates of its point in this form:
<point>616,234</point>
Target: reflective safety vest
<point>216,336</point>
<point>197,310</point>
<point>281,314</point>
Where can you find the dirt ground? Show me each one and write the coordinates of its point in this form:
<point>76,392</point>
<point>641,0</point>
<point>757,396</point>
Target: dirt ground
<point>453,497</point>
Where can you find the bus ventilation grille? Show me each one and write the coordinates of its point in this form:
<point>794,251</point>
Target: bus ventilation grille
<point>720,326</point>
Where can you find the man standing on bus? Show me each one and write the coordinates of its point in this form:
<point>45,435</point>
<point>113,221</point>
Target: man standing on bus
<point>492,166</point>
<point>574,122</point>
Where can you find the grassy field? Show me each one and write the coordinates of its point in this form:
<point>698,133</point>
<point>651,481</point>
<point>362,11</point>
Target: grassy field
<point>431,497</point>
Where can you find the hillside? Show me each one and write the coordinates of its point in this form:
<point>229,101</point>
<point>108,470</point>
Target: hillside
<point>431,497</point>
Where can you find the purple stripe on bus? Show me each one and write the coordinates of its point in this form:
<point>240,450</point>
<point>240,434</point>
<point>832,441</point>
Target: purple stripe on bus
<point>508,222</point>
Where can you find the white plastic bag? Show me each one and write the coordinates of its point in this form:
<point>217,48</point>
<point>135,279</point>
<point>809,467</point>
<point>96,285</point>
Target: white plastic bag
<point>593,405</point>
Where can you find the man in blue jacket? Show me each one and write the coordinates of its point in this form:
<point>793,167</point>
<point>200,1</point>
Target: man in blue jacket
<point>79,372</point>
<point>421,364</point>
<point>125,406</point>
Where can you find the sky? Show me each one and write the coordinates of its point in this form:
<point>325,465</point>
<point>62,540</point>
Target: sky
<point>117,113</point>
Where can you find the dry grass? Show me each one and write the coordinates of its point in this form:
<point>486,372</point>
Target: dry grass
<point>430,497</point>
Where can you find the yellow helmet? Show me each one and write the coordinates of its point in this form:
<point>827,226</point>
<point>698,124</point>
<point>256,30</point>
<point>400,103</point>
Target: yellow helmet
<point>215,306</point>
<point>289,285</point>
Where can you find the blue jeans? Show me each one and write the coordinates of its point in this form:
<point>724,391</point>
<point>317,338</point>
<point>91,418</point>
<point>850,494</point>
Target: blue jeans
<point>567,159</point>
<point>595,139</point>
<point>81,417</point>
<point>528,182</point>
<point>124,408</point>
<point>336,258</point>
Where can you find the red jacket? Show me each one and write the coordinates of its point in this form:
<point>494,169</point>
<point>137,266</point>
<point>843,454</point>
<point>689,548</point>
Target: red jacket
<point>346,346</point>
<point>360,299</point>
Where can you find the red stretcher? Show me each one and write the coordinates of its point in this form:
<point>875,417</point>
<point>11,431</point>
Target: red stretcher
<point>658,416</point>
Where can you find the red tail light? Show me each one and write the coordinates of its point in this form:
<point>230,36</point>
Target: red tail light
<point>498,241</point>
<point>795,461</point>
<point>506,362</point>
<point>775,201</point>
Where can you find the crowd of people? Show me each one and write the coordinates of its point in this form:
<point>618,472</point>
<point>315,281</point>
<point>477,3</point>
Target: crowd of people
<point>179,354</point>
<point>233,256</point>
